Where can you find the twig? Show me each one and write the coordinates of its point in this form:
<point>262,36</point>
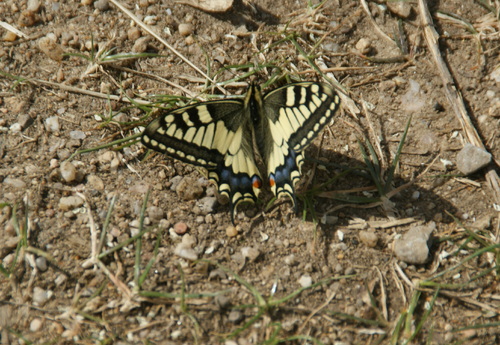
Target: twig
<point>453,95</point>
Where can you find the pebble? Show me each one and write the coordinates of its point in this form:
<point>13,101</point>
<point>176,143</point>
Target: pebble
<point>41,296</point>
<point>235,316</point>
<point>399,8</point>
<point>14,182</point>
<point>95,182</point>
<point>133,34</point>
<point>15,128</point>
<point>471,159</point>
<point>9,36</point>
<point>68,171</point>
<point>368,238</point>
<point>35,325</point>
<point>185,248</point>
<point>141,45</point>
<point>77,135</point>
<point>70,203</point>
<point>41,263</point>
<point>231,231</point>
<point>364,46</point>
<point>185,29</point>
<point>33,6</point>
<point>207,204</point>
<point>24,120</point>
<point>52,124</point>
<point>290,260</point>
<point>305,281</point>
<point>155,213</point>
<point>180,228</point>
<point>412,246</point>
<point>250,253</point>
<point>189,189</point>
<point>101,5</point>
<point>222,301</point>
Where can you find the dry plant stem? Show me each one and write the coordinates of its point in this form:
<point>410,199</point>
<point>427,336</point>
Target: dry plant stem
<point>383,295</point>
<point>85,92</point>
<point>372,21</point>
<point>453,95</point>
<point>160,39</point>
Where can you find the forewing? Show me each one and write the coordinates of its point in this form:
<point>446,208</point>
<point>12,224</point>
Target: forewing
<point>294,115</point>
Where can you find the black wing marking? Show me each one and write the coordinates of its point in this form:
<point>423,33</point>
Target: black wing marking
<point>216,136</point>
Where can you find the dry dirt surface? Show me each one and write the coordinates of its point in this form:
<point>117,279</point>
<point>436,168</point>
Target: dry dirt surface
<point>89,257</point>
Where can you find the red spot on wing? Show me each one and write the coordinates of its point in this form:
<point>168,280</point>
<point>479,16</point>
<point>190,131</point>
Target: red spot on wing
<point>256,182</point>
<point>272,182</point>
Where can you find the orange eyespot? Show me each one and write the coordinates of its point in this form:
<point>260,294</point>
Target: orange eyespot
<point>272,182</point>
<point>256,183</point>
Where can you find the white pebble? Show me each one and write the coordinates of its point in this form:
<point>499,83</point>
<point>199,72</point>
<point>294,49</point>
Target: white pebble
<point>305,280</point>
<point>186,29</point>
<point>52,124</point>
<point>68,171</point>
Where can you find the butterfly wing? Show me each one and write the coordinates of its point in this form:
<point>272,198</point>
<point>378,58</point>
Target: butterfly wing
<point>293,116</point>
<point>215,135</point>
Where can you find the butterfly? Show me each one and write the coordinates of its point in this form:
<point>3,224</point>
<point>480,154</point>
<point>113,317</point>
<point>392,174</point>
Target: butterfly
<point>225,137</point>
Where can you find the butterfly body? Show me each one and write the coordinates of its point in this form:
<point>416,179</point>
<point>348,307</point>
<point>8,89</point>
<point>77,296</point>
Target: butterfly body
<point>220,136</point>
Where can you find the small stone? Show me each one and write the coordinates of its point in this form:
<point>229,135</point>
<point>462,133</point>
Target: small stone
<point>141,45</point>
<point>41,296</point>
<point>364,46</point>
<point>235,316</point>
<point>368,238</point>
<point>9,36</point>
<point>33,6</point>
<point>412,246</point>
<point>35,325</point>
<point>415,195</point>
<point>77,135</point>
<point>68,171</point>
<point>290,260</point>
<point>150,20</point>
<point>15,128</point>
<point>14,182</point>
<point>472,158</point>
<point>52,124</point>
<point>180,228</point>
<point>70,203</point>
<point>305,281</point>
<point>41,263</point>
<point>185,29</point>
<point>186,253</point>
<point>101,5</point>
<point>231,231</point>
<point>133,34</point>
<point>207,204</point>
<point>25,121</point>
<point>222,301</point>
<point>399,8</point>
<point>156,213</point>
<point>250,253</point>
<point>95,182</point>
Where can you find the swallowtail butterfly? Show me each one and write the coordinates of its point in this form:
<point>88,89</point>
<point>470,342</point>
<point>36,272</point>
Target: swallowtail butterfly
<point>223,136</point>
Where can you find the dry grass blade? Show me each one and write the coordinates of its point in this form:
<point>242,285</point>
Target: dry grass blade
<point>160,39</point>
<point>452,93</point>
